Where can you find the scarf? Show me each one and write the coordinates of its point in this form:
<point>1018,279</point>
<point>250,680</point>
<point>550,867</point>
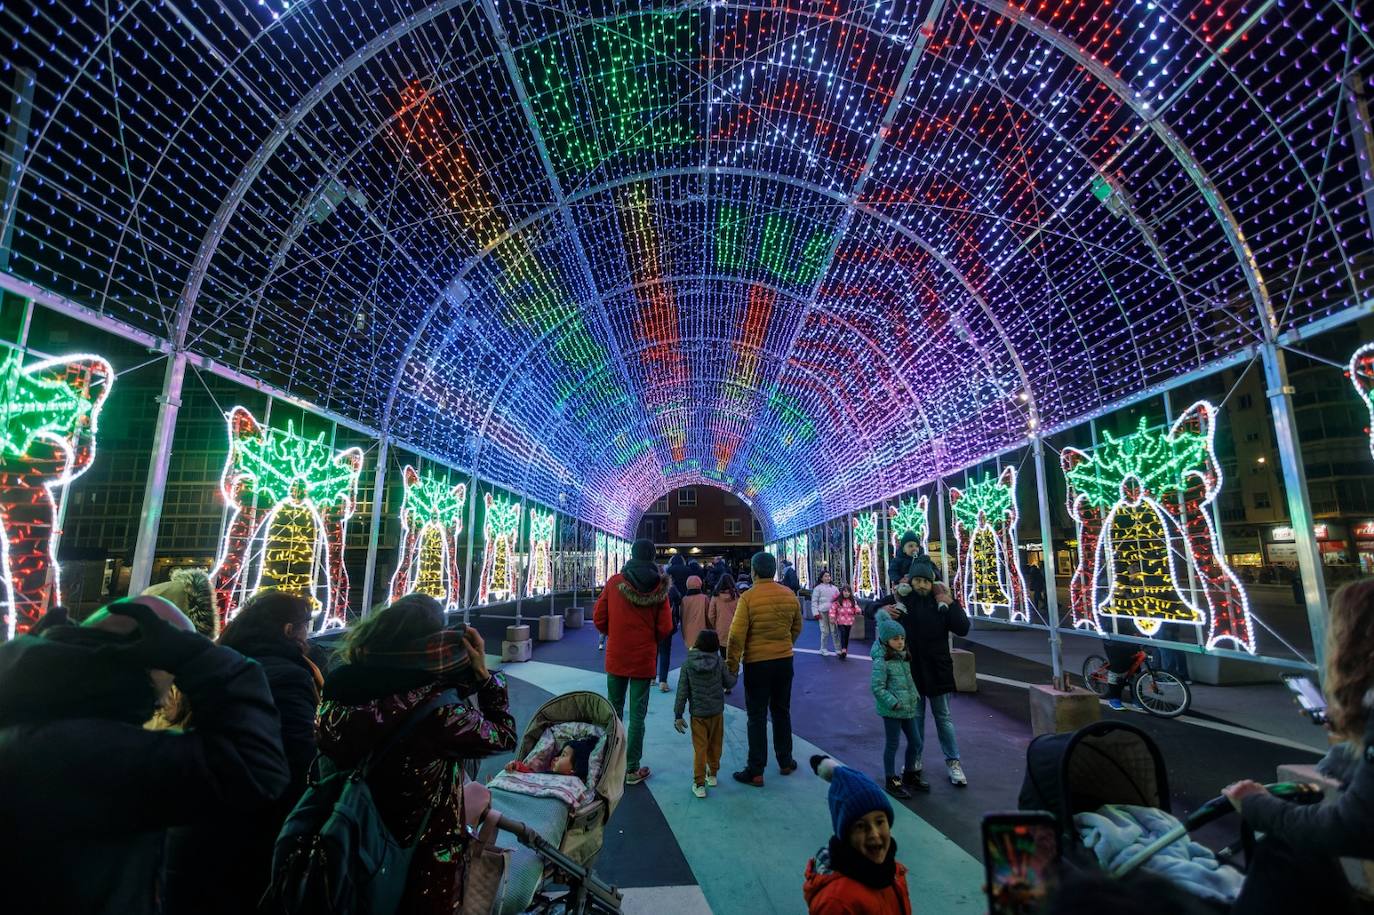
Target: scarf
<point>845,860</point>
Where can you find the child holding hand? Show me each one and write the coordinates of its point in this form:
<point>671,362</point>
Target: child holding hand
<point>703,682</point>
<point>894,691</point>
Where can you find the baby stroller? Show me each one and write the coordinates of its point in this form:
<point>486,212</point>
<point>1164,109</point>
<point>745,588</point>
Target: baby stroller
<point>559,843</point>
<point>1116,763</point>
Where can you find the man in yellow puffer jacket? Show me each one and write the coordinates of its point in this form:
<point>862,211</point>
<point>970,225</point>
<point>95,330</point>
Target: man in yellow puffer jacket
<point>766,625</point>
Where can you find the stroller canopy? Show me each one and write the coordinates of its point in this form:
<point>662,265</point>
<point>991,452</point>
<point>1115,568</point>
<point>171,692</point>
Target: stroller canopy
<point>1103,763</point>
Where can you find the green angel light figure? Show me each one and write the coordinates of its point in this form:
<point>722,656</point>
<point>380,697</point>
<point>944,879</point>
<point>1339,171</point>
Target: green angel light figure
<point>431,520</point>
<point>987,575</point>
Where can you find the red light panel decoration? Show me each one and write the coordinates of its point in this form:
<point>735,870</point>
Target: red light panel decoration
<point>988,575</point>
<point>431,520</point>
<point>1148,553</point>
<point>47,439</point>
<point>290,499</point>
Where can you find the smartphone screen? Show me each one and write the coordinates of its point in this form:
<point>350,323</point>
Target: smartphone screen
<point>1309,697</point>
<point>1021,859</point>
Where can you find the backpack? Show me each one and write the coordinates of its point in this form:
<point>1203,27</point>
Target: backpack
<point>334,855</point>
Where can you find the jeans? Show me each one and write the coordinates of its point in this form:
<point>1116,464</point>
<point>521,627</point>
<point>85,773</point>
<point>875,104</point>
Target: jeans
<point>665,658</point>
<point>944,725</point>
<point>844,637</point>
<point>895,728</point>
<point>768,690</point>
<point>638,689</point>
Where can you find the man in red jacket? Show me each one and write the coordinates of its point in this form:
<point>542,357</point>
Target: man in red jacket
<point>633,613</point>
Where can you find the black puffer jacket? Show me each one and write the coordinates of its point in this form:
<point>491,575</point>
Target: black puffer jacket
<point>86,802</point>
<point>1344,828</point>
<point>224,865</point>
<point>927,638</point>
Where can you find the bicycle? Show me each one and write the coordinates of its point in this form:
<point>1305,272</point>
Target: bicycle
<point>1156,691</point>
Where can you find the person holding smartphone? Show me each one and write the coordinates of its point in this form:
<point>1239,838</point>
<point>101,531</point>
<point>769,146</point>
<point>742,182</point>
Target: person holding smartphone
<point>1295,868</point>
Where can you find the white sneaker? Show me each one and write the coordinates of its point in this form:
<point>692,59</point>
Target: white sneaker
<point>699,790</point>
<point>711,781</point>
<point>956,773</point>
<point>824,653</point>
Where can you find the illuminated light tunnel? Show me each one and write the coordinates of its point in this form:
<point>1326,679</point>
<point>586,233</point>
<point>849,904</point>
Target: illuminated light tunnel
<point>817,254</point>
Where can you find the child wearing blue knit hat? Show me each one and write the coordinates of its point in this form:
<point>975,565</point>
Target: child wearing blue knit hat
<point>895,695</point>
<point>857,871</point>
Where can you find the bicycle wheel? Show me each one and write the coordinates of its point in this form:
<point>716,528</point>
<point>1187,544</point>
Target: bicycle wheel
<point>1162,694</point>
<point>1095,674</point>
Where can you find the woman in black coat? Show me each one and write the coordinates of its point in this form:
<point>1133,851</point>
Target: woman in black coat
<point>224,865</point>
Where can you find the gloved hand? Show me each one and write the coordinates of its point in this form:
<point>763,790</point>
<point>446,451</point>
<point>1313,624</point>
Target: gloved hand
<point>160,646</point>
<point>681,726</point>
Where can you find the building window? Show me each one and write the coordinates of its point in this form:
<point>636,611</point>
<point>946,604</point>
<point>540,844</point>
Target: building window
<point>1261,499</point>
<point>758,529</point>
<point>1252,436</point>
<point>1245,402</point>
<point>686,527</point>
<point>660,507</point>
<point>687,498</point>
<point>732,527</point>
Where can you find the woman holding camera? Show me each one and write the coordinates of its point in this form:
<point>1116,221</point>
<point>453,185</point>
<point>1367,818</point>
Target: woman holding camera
<point>396,661</point>
<point>1296,862</point>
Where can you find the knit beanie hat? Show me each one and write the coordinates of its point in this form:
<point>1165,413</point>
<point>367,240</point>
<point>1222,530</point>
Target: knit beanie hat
<point>922,567</point>
<point>853,795</point>
<point>908,537</point>
<point>763,565</point>
<point>642,549</point>
<point>889,629</point>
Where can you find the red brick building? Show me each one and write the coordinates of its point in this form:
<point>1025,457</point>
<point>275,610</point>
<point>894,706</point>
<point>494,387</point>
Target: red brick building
<point>702,521</point>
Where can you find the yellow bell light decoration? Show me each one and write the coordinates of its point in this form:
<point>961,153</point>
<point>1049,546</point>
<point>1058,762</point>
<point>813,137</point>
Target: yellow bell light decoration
<point>866,554</point>
<point>500,526</point>
<point>431,520</point>
<point>1362,377</point>
<point>541,553</point>
<point>987,576</point>
<point>47,439</point>
<point>290,499</point>
<point>801,549</point>
<point>1144,530</point>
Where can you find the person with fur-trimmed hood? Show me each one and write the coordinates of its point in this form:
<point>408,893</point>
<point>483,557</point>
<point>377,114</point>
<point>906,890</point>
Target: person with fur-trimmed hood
<point>634,613</point>
<point>192,593</point>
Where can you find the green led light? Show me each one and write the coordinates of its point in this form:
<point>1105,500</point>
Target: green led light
<point>1157,460</point>
<point>286,466</point>
<point>613,89</point>
<point>503,517</point>
<point>37,407</point>
<point>990,497</point>
<point>433,500</point>
<point>776,250</point>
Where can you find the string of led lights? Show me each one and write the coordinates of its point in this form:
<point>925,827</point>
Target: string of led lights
<point>1069,203</point>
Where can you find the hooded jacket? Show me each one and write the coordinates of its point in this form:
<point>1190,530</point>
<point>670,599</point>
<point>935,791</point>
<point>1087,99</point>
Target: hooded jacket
<point>927,638</point>
<point>830,891</point>
<point>894,692</point>
<point>88,797</point>
<point>634,620</point>
<point>677,571</point>
<point>194,595</point>
<point>822,596</point>
<point>720,613</point>
<point>702,683</point>
<point>694,607</point>
<point>363,705</point>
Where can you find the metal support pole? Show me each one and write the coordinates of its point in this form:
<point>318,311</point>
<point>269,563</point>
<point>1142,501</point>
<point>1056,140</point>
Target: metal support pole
<point>158,462</point>
<point>942,497</point>
<point>473,495</point>
<point>374,532</point>
<point>1047,564</point>
<point>1280,394</point>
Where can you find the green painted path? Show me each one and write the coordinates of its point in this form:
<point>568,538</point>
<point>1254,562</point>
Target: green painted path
<point>748,847</point>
